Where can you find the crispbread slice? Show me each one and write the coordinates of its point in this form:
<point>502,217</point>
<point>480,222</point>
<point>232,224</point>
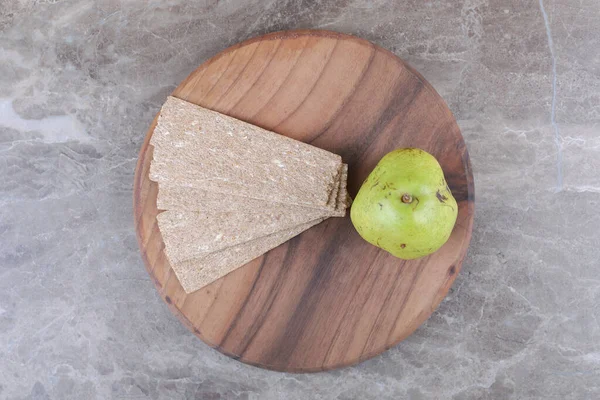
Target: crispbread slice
<point>332,202</point>
<point>196,273</point>
<point>194,199</point>
<point>342,197</point>
<point>204,149</point>
<point>189,234</point>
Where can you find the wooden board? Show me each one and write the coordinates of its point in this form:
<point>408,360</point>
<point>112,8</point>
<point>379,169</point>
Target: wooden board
<point>325,299</point>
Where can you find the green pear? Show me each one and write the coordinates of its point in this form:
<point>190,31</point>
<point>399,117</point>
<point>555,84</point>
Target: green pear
<point>405,206</point>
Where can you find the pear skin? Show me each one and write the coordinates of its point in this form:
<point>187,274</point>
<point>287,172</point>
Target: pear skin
<point>405,206</point>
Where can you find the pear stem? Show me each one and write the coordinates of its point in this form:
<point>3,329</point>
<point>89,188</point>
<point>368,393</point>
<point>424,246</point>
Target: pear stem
<point>407,198</point>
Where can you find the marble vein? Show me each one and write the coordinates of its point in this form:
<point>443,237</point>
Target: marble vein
<point>557,138</point>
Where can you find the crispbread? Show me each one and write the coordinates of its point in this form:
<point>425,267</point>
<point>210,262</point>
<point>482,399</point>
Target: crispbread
<point>204,149</point>
<point>189,234</point>
<point>196,273</point>
<point>194,199</point>
<point>232,191</point>
<point>332,202</point>
<point>342,197</point>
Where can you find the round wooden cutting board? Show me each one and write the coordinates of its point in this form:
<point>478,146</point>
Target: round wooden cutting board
<point>325,299</point>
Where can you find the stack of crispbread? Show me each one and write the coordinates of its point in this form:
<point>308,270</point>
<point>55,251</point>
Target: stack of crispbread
<point>232,191</point>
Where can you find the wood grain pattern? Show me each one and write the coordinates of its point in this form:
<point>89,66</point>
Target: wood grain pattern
<point>326,298</point>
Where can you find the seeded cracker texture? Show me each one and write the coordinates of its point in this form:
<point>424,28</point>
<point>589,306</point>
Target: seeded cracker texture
<point>332,201</point>
<point>196,273</point>
<point>190,234</point>
<point>343,198</point>
<point>204,149</point>
<point>193,199</point>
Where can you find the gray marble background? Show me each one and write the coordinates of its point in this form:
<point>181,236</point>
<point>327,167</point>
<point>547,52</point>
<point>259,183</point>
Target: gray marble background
<point>80,82</point>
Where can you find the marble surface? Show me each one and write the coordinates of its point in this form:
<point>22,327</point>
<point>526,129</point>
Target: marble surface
<point>80,81</point>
